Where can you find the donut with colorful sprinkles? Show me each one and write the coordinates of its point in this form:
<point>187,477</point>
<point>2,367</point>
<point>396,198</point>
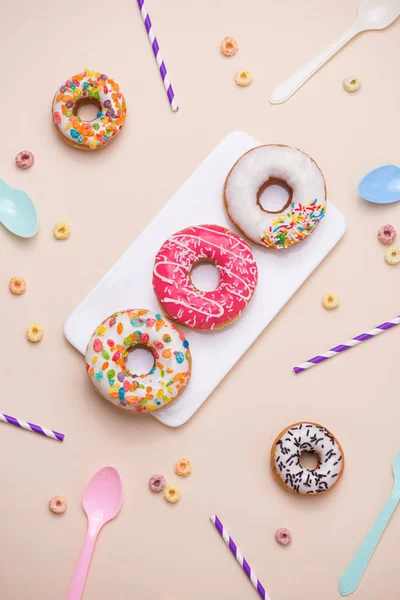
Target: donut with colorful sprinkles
<point>307,438</point>
<point>295,172</point>
<point>89,87</point>
<point>108,350</point>
<point>175,291</point>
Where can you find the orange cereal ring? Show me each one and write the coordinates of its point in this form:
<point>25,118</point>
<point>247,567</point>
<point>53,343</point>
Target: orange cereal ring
<point>229,46</point>
<point>17,285</point>
<point>183,467</point>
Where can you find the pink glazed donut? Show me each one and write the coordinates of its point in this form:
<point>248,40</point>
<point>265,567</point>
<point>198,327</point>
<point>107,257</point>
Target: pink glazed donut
<point>174,289</point>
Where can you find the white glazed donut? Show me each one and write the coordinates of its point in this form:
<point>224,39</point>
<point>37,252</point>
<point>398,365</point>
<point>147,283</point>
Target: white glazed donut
<point>302,438</point>
<point>89,87</point>
<point>108,349</point>
<point>293,170</point>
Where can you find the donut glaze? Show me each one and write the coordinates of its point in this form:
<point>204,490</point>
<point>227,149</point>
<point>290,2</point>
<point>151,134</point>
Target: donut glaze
<point>293,170</point>
<point>302,438</point>
<point>89,87</point>
<point>107,353</point>
<point>177,295</point>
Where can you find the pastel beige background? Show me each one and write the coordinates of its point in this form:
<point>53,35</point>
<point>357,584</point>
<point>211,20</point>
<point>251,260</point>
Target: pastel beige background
<point>156,551</point>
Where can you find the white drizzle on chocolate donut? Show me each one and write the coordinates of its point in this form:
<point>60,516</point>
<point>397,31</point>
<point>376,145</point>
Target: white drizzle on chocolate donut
<point>303,438</point>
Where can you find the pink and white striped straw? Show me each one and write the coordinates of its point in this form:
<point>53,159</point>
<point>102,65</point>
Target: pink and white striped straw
<point>350,344</point>
<point>156,51</point>
<point>239,557</point>
<point>55,435</point>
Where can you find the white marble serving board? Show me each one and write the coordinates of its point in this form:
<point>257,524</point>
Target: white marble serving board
<point>129,281</point>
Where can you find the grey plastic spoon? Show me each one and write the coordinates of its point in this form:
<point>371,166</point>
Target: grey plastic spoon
<point>372,14</point>
<point>17,211</point>
<point>355,571</point>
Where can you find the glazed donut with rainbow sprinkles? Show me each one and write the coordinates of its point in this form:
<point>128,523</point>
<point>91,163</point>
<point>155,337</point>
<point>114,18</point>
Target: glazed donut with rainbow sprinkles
<point>89,87</point>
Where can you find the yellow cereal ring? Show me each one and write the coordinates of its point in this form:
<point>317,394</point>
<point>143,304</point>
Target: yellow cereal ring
<point>243,78</point>
<point>61,230</point>
<point>172,493</point>
<point>34,333</point>
<point>330,301</point>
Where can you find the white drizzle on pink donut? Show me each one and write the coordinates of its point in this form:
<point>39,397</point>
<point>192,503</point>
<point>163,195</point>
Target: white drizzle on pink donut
<point>175,291</point>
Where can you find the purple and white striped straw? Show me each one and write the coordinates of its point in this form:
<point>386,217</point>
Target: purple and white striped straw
<point>156,52</point>
<point>239,557</point>
<point>55,435</point>
<point>342,347</point>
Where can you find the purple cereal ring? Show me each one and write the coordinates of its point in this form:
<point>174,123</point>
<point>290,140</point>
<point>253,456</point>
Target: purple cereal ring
<point>24,159</point>
<point>157,483</point>
<point>386,234</point>
<point>283,536</point>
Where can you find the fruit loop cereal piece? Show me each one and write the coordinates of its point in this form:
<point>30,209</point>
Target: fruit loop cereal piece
<point>351,84</point>
<point>61,230</point>
<point>34,333</point>
<point>157,483</point>
<point>177,295</point>
<point>283,536</point>
<point>387,234</point>
<point>330,301</point>
<point>243,78</point>
<point>183,467</point>
<point>24,159</point>
<point>109,348</point>
<point>392,256</point>
<point>17,285</point>
<point>172,493</point>
<point>229,46</point>
<point>89,87</point>
<point>58,505</point>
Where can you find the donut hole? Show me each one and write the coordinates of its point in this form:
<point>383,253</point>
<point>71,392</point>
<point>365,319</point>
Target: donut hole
<point>274,196</point>
<point>205,276</point>
<point>86,108</point>
<point>140,360</point>
<point>309,461</point>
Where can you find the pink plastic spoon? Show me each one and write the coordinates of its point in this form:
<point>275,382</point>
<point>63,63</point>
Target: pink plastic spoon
<point>102,501</point>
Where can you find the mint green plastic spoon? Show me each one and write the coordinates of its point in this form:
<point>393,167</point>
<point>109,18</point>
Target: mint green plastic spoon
<point>354,572</point>
<point>17,211</point>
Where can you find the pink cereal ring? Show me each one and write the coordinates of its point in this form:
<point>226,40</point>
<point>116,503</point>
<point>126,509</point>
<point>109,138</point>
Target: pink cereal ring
<point>387,234</point>
<point>283,536</point>
<point>58,505</point>
<point>24,159</point>
<point>157,483</point>
<point>177,295</point>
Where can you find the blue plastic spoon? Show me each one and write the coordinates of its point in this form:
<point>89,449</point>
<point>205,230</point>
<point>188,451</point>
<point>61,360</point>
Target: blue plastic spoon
<point>17,211</point>
<point>354,572</point>
<point>381,186</point>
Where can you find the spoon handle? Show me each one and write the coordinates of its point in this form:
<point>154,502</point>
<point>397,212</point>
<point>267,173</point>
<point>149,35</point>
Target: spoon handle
<point>354,572</point>
<point>78,581</point>
<point>284,90</point>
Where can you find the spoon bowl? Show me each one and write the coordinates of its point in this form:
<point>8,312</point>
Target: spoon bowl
<point>17,211</point>
<point>377,14</point>
<point>381,186</point>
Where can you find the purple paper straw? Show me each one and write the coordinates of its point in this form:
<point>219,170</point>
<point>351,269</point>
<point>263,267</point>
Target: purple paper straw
<point>156,52</point>
<point>350,344</point>
<point>239,557</point>
<point>55,435</point>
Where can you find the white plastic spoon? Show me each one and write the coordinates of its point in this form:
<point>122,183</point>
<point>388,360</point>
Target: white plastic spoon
<point>372,14</point>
